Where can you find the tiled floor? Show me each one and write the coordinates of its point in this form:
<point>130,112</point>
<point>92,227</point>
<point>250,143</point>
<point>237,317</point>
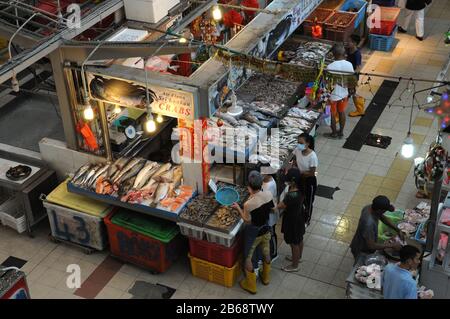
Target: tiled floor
<point>326,258</point>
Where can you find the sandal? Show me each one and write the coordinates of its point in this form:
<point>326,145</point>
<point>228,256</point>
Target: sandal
<point>289,258</point>
<point>331,135</point>
<point>290,268</point>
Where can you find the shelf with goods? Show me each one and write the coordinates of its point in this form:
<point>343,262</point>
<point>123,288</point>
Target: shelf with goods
<point>20,207</point>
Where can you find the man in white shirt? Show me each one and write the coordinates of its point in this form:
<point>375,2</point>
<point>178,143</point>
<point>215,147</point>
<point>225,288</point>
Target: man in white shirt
<point>339,96</point>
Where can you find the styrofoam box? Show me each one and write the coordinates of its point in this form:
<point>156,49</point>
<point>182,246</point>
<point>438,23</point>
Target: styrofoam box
<point>192,231</point>
<point>149,11</point>
<point>223,239</point>
<point>12,215</point>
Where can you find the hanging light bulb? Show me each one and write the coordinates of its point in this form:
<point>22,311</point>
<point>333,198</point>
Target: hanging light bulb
<point>182,40</point>
<point>117,109</point>
<point>150,125</point>
<point>159,118</point>
<point>408,147</point>
<point>217,13</point>
<point>88,113</point>
<point>429,99</point>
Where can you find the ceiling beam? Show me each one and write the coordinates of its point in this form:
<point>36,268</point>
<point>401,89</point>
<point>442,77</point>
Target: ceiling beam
<point>77,51</point>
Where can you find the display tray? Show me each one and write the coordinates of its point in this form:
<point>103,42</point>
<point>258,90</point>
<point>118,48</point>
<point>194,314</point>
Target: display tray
<point>227,230</point>
<point>152,211</point>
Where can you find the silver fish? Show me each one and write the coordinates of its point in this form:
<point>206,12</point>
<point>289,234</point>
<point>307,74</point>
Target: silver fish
<point>80,172</point>
<point>125,169</point>
<point>118,165</point>
<point>159,172</point>
<point>87,176</point>
<point>160,193</point>
<point>133,171</point>
<point>100,172</point>
<point>144,175</point>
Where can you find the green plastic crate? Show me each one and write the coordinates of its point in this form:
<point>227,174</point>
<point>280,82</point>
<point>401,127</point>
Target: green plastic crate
<point>156,228</point>
<point>396,217</point>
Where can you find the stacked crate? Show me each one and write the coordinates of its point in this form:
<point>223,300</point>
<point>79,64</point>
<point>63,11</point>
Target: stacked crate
<point>381,38</point>
<point>215,256</point>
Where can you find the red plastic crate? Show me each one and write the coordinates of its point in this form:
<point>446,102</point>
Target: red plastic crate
<point>215,253</point>
<point>388,21</point>
<point>141,250</point>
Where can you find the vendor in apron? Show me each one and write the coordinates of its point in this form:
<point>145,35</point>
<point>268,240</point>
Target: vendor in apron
<point>257,233</point>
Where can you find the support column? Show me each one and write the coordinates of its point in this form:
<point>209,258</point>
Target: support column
<point>65,98</point>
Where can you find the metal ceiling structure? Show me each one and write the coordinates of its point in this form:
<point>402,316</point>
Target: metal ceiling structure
<point>46,45</point>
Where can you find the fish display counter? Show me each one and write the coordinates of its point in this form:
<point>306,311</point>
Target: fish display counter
<point>136,184</point>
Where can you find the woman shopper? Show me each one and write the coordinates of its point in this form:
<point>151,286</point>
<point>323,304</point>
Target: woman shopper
<point>307,162</point>
<point>293,224</point>
<point>255,214</point>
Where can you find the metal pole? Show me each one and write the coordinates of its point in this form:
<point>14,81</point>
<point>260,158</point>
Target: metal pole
<point>105,131</point>
<point>435,198</point>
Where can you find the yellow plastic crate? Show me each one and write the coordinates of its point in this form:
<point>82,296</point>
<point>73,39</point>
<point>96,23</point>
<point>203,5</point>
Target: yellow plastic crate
<point>215,273</point>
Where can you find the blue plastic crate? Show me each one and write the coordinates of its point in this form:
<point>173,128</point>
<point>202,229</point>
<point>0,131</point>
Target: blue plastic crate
<point>382,42</point>
<point>384,3</point>
<point>361,5</point>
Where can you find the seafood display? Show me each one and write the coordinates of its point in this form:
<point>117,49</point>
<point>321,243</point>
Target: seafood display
<point>199,209</point>
<point>224,219</point>
<point>296,122</point>
<point>136,180</point>
<point>407,227</point>
<point>311,54</point>
<point>308,115</point>
<point>269,89</point>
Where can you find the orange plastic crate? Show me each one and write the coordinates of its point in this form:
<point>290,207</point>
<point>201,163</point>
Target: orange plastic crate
<point>215,273</point>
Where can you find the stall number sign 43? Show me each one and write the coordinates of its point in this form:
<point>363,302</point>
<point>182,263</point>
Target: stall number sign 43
<point>76,232</point>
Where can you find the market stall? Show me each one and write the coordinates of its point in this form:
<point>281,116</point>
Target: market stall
<point>364,280</point>
<point>125,114</point>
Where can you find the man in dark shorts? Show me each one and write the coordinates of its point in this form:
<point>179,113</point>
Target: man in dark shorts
<point>365,240</point>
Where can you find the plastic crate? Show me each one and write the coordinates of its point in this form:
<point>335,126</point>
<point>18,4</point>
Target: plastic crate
<point>321,14</point>
<point>395,217</point>
<point>192,231</point>
<point>141,249</point>
<point>214,253</point>
<point>384,3</point>
<point>389,17</point>
<point>220,238</point>
<point>77,227</point>
<point>382,42</point>
<point>218,274</point>
<point>360,5</point>
<point>340,33</point>
<point>13,215</point>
